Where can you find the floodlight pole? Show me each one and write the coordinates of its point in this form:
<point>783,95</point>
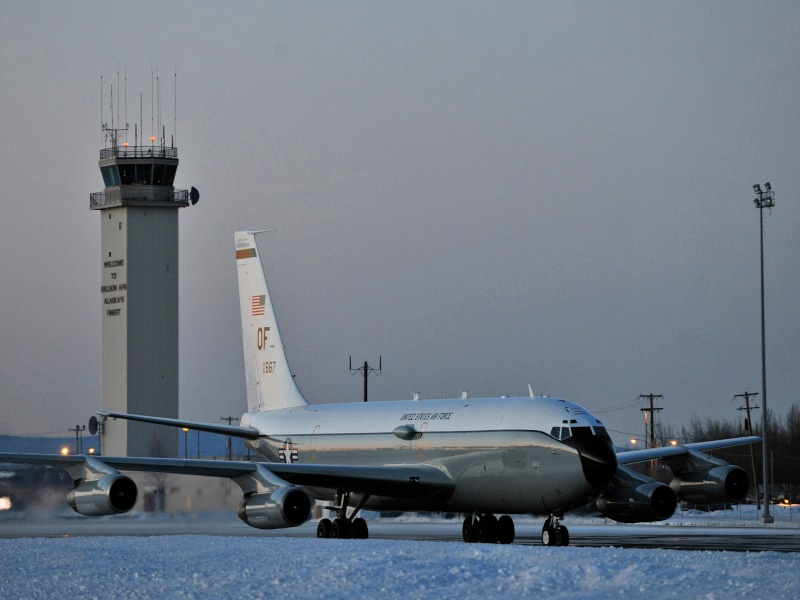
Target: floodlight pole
<point>765,199</point>
<point>229,420</point>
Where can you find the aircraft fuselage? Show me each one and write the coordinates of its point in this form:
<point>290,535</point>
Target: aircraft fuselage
<point>500,452</point>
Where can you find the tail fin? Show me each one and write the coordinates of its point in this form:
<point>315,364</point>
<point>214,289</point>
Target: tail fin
<point>269,380</point>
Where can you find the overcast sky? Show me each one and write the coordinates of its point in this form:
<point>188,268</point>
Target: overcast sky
<point>489,195</point>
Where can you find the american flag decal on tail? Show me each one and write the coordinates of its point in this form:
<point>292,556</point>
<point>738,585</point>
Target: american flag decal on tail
<point>258,304</point>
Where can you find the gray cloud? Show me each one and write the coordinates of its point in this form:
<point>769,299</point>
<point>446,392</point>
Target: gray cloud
<point>487,195</point>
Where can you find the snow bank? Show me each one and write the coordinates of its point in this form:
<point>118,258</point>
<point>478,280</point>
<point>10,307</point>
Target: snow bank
<point>266,567</point>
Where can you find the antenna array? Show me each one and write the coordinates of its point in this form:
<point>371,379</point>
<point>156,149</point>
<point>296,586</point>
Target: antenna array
<point>116,133</point>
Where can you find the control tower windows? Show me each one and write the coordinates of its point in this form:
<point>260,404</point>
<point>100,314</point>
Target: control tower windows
<point>158,174</point>
<point>110,175</point>
<point>138,173</point>
<point>169,174</point>
<point>144,174</point>
<point>127,174</point>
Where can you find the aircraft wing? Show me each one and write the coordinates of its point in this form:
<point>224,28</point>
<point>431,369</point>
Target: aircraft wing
<point>395,481</point>
<point>209,468</point>
<point>634,456</point>
<point>232,430</point>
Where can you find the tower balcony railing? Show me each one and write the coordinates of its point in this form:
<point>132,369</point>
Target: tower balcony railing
<point>134,196</point>
<point>139,152</point>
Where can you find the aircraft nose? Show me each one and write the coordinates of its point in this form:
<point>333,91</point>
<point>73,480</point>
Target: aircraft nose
<point>598,458</point>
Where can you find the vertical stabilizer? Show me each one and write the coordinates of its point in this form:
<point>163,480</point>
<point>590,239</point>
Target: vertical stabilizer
<point>269,380</point>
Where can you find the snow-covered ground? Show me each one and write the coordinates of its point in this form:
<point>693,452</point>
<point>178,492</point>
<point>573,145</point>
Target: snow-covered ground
<point>268,567</point>
<point>234,563</point>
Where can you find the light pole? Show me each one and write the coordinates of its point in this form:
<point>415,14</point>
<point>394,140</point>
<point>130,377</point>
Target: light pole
<point>185,442</point>
<point>764,199</point>
<point>78,438</point>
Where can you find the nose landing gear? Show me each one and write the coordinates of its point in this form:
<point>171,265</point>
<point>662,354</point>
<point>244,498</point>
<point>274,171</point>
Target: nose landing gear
<point>553,533</point>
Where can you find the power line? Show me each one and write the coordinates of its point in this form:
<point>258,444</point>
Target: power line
<point>622,406</point>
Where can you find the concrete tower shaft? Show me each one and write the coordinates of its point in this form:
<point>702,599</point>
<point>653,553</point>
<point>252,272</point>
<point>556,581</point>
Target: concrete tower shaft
<point>139,294</point>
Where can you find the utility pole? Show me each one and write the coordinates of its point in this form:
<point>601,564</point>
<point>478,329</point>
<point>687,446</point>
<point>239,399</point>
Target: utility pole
<point>366,370</point>
<point>78,437</point>
<point>652,410</point>
<point>229,420</point>
<point>764,199</point>
<point>748,425</point>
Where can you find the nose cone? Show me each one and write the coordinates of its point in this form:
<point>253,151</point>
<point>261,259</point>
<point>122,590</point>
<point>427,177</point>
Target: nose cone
<point>598,458</point>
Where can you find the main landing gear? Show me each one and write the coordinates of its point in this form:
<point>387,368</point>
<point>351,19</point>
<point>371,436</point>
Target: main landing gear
<point>487,529</point>
<point>553,533</point>
<point>342,526</point>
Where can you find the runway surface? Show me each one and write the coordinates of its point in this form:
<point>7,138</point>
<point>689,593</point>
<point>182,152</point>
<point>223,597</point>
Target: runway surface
<point>742,538</point>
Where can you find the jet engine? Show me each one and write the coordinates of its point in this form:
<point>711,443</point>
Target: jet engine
<point>110,495</point>
<point>282,507</point>
<point>645,502</point>
<point>724,483</point>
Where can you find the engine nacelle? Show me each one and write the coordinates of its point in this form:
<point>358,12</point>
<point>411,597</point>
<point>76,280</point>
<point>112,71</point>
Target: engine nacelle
<point>110,495</point>
<point>283,507</point>
<point>727,483</point>
<point>635,504</point>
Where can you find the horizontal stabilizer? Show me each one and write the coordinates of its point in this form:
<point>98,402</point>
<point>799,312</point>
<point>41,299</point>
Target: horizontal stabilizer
<point>232,430</point>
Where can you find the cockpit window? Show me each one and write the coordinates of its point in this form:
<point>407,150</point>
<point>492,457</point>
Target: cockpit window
<point>582,431</point>
<point>563,433</point>
<point>560,433</point>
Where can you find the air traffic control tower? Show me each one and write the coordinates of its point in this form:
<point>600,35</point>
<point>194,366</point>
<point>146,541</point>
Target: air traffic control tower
<point>139,292</point>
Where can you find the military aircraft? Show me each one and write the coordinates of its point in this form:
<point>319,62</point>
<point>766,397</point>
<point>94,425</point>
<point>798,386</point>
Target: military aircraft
<point>481,457</point>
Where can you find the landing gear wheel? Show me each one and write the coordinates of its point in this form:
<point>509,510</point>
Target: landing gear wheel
<point>359,529</point>
<point>340,528</point>
<point>548,536</point>
<point>324,528</point>
<point>553,533</point>
<point>469,531</point>
<point>564,536</point>
<point>505,530</point>
<point>487,529</point>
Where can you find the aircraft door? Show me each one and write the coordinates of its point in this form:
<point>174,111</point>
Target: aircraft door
<point>421,439</point>
<point>313,444</point>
